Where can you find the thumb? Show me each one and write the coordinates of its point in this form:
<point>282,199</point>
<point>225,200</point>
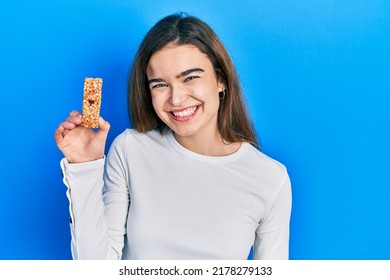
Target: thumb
<point>104,127</point>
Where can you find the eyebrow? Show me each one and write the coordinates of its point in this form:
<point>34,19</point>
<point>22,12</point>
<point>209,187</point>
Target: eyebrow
<point>182,74</point>
<point>189,71</point>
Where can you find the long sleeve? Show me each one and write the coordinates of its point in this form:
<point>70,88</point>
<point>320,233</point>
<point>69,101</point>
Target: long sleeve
<point>272,234</point>
<point>98,207</point>
<point>153,199</point>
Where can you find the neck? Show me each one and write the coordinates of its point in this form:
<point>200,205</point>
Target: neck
<point>208,145</point>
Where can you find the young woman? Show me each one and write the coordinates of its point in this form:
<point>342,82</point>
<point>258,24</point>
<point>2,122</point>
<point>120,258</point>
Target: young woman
<point>187,182</point>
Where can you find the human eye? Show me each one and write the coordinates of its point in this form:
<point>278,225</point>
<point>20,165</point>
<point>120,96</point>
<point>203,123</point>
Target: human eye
<point>159,86</point>
<point>190,78</point>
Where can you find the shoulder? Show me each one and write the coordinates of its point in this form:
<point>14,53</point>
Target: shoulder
<point>265,162</point>
<point>272,175</point>
<point>133,136</point>
<point>130,140</point>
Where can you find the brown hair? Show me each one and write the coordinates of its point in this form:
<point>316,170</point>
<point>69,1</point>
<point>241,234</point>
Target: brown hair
<point>234,122</point>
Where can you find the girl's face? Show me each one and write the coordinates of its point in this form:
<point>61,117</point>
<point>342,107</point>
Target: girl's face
<point>185,90</point>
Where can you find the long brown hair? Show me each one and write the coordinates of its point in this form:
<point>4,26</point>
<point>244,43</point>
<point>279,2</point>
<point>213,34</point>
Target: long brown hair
<point>234,122</point>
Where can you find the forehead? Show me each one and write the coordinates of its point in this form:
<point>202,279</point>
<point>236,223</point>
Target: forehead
<point>173,59</point>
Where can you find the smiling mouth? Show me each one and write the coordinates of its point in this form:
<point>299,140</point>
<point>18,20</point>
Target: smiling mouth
<point>188,112</point>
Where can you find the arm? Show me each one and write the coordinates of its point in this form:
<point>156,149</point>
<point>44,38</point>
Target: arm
<point>84,182</point>
<point>98,207</point>
<point>272,234</point>
<point>83,167</point>
<point>80,144</point>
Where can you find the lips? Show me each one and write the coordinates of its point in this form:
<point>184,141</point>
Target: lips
<point>185,114</point>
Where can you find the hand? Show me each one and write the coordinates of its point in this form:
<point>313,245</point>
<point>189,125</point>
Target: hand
<point>78,143</point>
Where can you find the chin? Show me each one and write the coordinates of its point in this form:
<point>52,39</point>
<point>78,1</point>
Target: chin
<point>183,131</point>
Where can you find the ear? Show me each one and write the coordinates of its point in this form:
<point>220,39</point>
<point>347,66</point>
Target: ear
<point>221,86</point>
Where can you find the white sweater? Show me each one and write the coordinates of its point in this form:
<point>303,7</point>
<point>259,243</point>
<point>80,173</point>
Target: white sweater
<point>151,198</point>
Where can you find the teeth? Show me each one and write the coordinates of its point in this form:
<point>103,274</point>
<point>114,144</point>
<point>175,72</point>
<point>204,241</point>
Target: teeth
<point>184,113</point>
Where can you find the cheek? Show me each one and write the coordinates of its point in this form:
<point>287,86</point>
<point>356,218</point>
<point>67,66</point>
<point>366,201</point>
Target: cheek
<point>155,104</point>
<point>207,93</point>
<point>158,103</point>
<point>214,101</point>
<point>211,96</point>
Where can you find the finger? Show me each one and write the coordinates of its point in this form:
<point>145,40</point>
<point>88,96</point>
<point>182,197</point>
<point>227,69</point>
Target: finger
<point>68,125</point>
<point>104,126</point>
<point>58,137</point>
<point>74,113</point>
<point>74,119</point>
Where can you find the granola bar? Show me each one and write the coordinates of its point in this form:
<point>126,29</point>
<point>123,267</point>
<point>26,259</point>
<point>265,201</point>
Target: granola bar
<point>91,102</point>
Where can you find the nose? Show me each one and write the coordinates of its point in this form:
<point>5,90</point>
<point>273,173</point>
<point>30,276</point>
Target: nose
<point>178,96</point>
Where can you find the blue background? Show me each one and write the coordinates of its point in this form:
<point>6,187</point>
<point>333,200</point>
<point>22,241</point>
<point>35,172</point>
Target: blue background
<point>316,79</point>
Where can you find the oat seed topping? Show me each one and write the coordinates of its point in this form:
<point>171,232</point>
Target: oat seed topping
<point>91,102</point>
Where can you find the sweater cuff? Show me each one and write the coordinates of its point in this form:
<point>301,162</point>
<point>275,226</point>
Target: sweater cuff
<point>83,181</point>
<point>74,169</point>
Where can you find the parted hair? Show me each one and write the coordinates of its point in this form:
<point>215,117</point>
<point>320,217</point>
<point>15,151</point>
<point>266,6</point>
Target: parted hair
<point>234,122</point>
